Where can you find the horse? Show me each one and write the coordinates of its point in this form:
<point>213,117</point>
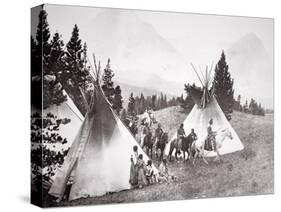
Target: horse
<point>161,144</point>
<point>148,143</point>
<point>131,125</point>
<point>148,118</point>
<point>198,146</point>
<point>133,128</point>
<point>185,146</point>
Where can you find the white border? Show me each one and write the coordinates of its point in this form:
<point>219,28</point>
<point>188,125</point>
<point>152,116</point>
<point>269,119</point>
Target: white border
<point>14,174</point>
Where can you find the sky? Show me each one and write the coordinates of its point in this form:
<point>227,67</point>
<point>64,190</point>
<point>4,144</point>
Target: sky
<point>199,38</point>
<point>185,31</point>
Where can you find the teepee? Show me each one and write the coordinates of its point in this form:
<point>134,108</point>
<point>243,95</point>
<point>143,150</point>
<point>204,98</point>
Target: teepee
<point>66,109</point>
<point>99,158</point>
<point>206,107</point>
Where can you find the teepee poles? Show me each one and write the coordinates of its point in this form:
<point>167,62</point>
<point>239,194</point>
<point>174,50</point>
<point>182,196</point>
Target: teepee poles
<point>197,74</point>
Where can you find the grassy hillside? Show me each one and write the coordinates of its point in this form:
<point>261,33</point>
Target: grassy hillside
<point>248,172</point>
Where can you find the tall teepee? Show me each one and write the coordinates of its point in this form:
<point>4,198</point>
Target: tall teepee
<point>206,107</point>
<point>99,158</point>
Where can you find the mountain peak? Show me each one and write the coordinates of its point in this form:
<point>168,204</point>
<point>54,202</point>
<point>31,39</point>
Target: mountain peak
<point>249,44</point>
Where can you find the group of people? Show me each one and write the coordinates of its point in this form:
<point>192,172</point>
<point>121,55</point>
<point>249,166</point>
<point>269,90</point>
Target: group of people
<point>143,174</point>
<point>210,141</point>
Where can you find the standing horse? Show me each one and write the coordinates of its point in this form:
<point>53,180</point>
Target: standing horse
<point>174,145</point>
<point>161,144</point>
<point>148,143</point>
<point>185,146</point>
<point>198,146</point>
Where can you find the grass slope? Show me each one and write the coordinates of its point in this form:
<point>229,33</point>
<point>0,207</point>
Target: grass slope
<point>248,172</point>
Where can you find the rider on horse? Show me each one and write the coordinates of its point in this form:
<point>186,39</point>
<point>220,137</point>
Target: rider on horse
<point>193,135</point>
<point>210,143</point>
<point>145,132</point>
<point>180,135</point>
<point>158,133</point>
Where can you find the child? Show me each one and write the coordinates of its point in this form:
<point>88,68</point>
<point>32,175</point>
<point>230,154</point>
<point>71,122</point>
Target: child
<point>149,172</point>
<point>164,175</point>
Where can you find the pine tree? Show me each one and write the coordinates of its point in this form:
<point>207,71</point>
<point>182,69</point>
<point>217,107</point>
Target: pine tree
<point>108,84</point>
<point>44,50</point>
<point>55,64</point>
<point>142,105</point>
<point>223,87</point>
<point>261,111</point>
<point>43,45</point>
<point>47,127</point>
<point>165,101</point>
<point>245,107</point>
<point>187,103</point>
<point>161,100</point>
<point>75,60</point>
<point>75,73</point>
<point>131,106</point>
<point>112,94</point>
<point>117,100</point>
<point>237,104</point>
<point>153,104</point>
<point>33,57</point>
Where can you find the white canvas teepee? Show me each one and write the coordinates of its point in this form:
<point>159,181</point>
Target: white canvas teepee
<point>64,110</point>
<point>206,107</point>
<point>67,110</point>
<point>99,158</point>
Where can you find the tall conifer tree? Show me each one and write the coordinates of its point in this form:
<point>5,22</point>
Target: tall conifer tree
<point>223,87</point>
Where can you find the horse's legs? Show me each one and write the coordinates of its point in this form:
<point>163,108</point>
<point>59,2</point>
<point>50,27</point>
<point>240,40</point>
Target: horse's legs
<point>195,156</point>
<point>218,157</point>
<point>189,152</point>
<point>156,152</point>
<point>161,154</point>
<point>170,153</point>
<point>183,156</point>
<point>203,158</point>
<point>176,154</point>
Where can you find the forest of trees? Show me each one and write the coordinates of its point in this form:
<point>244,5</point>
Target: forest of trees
<point>252,107</point>
<point>138,104</point>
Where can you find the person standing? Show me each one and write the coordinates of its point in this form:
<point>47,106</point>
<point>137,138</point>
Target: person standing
<point>133,172</point>
<point>141,171</point>
<point>210,143</point>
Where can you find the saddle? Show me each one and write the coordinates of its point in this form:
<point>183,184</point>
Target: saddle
<point>178,143</point>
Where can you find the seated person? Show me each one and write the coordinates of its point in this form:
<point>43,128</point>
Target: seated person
<point>150,173</point>
<point>164,175</point>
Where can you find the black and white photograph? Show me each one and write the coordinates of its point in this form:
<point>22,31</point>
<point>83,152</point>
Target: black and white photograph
<point>132,106</point>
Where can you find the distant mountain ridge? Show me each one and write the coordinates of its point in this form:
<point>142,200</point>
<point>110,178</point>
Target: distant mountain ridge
<point>128,89</point>
<point>252,69</point>
<point>138,53</point>
<point>141,57</point>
